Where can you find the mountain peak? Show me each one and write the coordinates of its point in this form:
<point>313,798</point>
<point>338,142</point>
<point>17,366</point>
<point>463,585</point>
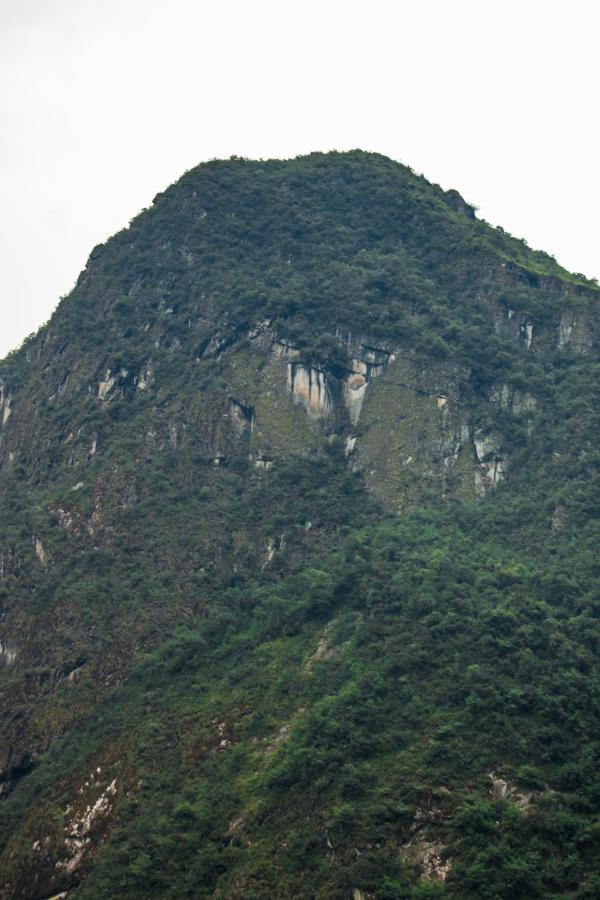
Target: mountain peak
<point>298,526</point>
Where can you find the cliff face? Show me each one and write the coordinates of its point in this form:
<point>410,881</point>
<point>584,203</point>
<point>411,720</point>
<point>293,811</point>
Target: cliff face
<point>271,363</point>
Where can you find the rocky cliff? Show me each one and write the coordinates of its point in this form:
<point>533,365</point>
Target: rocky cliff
<point>308,448</point>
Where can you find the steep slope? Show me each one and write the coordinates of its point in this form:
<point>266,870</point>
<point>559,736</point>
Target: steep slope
<point>298,579</point>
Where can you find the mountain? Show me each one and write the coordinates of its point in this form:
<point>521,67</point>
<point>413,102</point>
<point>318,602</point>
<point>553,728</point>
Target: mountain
<point>298,553</point>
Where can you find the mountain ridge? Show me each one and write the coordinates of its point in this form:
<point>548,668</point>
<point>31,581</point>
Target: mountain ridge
<point>298,504</point>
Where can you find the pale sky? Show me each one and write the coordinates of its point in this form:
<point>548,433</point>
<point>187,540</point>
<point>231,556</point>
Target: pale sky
<point>103,103</point>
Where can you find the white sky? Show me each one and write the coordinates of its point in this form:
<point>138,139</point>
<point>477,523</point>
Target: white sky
<point>105,102</point>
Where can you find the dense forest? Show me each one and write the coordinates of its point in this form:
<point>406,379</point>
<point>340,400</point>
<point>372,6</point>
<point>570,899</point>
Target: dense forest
<point>299,582</point>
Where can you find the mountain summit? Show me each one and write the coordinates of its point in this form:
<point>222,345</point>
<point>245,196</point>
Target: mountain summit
<point>298,553</point>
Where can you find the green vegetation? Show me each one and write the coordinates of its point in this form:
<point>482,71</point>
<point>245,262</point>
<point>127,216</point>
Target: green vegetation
<point>449,657</point>
<point>262,680</point>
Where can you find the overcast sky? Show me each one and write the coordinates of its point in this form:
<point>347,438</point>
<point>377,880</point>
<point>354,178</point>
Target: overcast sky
<point>105,102</point>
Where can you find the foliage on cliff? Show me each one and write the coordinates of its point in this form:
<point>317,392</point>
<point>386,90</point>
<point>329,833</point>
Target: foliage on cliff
<point>232,673</point>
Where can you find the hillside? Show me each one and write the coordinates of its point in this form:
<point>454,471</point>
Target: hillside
<point>298,573</point>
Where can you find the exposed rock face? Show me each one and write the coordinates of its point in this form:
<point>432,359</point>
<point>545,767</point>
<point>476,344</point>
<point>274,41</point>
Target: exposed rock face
<point>443,433</point>
<point>508,398</point>
<point>572,327</point>
<point>458,203</point>
<point>285,348</point>
<point>321,389</point>
<point>310,388</point>
<point>8,655</point>
<point>492,466</point>
<point>5,405</point>
<point>424,847</point>
<point>79,826</point>
<point>145,378</point>
<point>575,331</point>
<point>429,856</point>
<point>502,789</point>
<point>324,650</point>
<point>242,416</point>
<point>431,422</point>
<point>274,545</point>
<point>418,417</point>
<point>107,385</point>
<point>355,389</point>
<point>40,551</point>
<point>515,325</point>
<point>405,423</point>
<point>55,855</point>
